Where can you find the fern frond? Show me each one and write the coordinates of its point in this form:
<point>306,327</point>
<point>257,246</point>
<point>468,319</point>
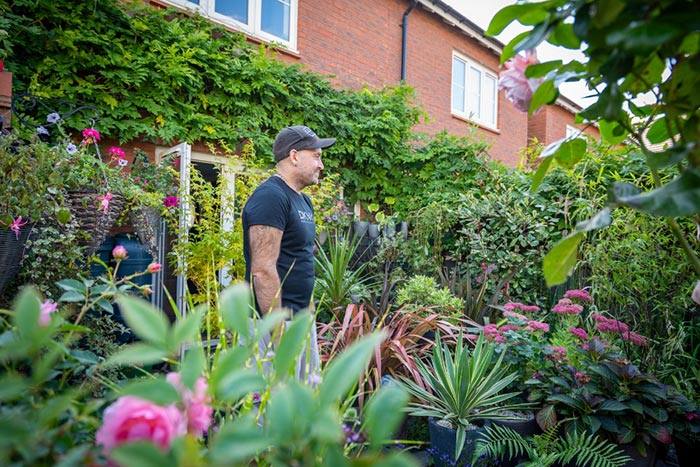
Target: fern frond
<point>499,440</point>
<point>591,451</point>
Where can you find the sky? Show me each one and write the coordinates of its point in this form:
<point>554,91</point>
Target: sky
<point>481,12</point>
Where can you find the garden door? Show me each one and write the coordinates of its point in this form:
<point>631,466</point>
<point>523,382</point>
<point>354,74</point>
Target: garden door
<point>195,168</point>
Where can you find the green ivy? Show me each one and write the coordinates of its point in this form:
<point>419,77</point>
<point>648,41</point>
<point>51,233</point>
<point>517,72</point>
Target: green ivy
<point>163,76</point>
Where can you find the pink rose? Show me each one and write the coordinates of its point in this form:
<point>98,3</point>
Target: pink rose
<point>134,419</point>
<point>512,80</point>
<point>154,267</point>
<point>119,252</point>
<point>47,308</point>
<point>197,408</point>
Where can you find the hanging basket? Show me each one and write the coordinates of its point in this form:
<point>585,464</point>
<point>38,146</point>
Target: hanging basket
<point>93,222</point>
<point>145,221</point>
<point>12,253</point>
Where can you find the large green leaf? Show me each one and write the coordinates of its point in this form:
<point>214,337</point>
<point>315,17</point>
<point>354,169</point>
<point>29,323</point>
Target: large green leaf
<point>291,344</point>
<point>344,370</point>
<point>140,454</point>
<point>157,390</point>
<point>559,263</point>
<point>238,442</point>
<point>147,322</point>
<point>600,220</point>
<point>525,13</point>
<point>185,329</point>
<point>235,308</point>
<point>137,353</point>
<point>680,197</point>
<point>384,412</point>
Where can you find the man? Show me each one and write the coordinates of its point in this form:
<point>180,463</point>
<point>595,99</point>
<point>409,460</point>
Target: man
<point>278,225</point>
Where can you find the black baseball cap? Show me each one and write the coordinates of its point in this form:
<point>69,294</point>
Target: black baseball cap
<point>298,137</point>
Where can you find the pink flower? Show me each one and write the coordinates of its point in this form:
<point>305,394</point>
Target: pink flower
<point>580,333</point>
<point>90,136</point>
<point>634,338</point>
<point>16,225</point>
<point>104,201</point>
<point>565,307</point>
<point>515,315</point>
<point>537,326</point>
<point>197,408</point>
<point>511,306</point>
<point>154,267</point>
<point>119,252</point>
<point>557,354</point>
<point>47,308</point>
<point>117,152</point>
<point>518,88</point>
<point>578,294</point>
<point>134,419</point>
<point>490,331</point>
<point>170,201</point>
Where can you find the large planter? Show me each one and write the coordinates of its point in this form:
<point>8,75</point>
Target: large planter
<point>94,223</point>
<point>638,460</point>
<point>443,441</point>
<point>685,453</point>
<point>11,253</point>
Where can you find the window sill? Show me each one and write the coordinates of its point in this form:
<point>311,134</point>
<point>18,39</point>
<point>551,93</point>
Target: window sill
<point>475,123</point>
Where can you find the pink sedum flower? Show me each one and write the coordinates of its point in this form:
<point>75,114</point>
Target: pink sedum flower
<point>518,88</point>
<point>119,252</point>
<point>47,308</point>
<point>134,419</point>
<point>578,294</point>
<point>197,404</point>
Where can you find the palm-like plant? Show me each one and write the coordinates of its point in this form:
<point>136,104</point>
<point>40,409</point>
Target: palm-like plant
<point>462,387</point>
<point>336,277</point>
<point>549,449</point>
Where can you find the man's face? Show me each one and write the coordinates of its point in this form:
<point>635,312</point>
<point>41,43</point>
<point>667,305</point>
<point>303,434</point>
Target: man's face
<point>310,166</point>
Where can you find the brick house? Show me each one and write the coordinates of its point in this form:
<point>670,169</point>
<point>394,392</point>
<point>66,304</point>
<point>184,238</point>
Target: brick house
<point>446,58</point>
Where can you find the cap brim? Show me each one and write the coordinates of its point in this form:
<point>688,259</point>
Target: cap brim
<point>323,143</point>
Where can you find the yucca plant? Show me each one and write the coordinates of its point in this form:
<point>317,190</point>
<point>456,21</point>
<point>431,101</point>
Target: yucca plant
<point>549,449</point>
<point>463,386</point>
<point>336,275</point>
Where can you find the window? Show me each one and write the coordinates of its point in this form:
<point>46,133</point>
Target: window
<point>474,91</point>
<point>573,132</point>
<point>269,20</point>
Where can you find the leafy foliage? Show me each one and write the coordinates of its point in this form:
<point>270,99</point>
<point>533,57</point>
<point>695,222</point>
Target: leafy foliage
<point>632,48</point>
<point>548,449</point>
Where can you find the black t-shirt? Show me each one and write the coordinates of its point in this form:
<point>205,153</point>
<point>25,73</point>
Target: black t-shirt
<point>275,204</point>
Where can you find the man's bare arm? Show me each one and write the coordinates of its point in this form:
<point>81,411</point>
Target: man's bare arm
<point>265,244</point>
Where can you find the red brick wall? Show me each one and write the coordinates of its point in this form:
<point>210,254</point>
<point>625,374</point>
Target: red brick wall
<point>358,44</point>
<point>550,124</point>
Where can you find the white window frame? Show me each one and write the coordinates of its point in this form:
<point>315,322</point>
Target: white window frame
<point>572,132</point>
<point>483,98</point>
<point>253,28</point>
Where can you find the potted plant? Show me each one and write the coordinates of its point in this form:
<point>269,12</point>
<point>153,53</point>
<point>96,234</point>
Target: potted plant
<point>458,390</point>
<point>153,194</point>
<point>27,195</point>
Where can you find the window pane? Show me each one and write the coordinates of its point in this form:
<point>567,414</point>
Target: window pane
<point>458,78</point>
<point>475,93</point>
<point>275,18</point>
<point>489,100</point>
<point>196,2</point>
<point>236,9</point>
